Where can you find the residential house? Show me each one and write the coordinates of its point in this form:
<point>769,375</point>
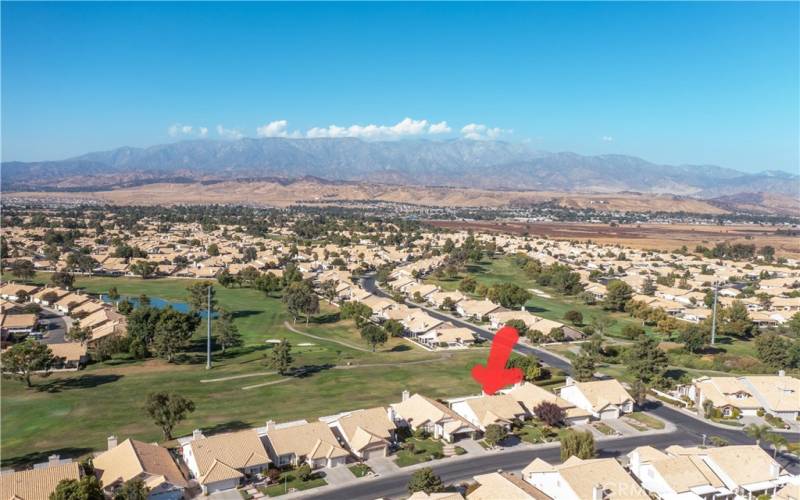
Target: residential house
<point>531,395</point>
<point>69,302</point>
<point>577,479</point>
<point>368,433</point>
<point>298,442</point>
<point>223,461</point>
<point>420,412</point>
<point>38,483</point>
<point>483,411</point>
<point>48,296</point>
<point>17,324</point>
<point>418,322</point>
<point>604,399</point>
<point>505,486</point>
<point>16,291</point>
<point>437,298</point>
<point>685,477</point>
<point>778,395</point>
<point>149,463</point>
<point>69,355</point>
<point>447,335</point>
<point>746,470</point>
<point>476,309</point>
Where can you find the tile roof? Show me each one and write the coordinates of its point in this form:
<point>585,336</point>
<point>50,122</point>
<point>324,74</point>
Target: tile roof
<point>37,484</point>
<point>235,449</point>
<point>132,458</point>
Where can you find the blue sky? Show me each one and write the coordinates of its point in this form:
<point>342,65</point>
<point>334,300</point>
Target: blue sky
<point>712,83</point>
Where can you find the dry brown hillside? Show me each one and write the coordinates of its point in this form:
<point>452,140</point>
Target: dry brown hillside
<point>313,191</point>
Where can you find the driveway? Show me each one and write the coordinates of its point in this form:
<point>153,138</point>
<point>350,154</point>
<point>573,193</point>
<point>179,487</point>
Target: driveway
<point>383,465</point>
<point>223,495</point>
<point>472,447</point>
<point>337,476</point>
<point>621,427</point>
<point>55,326</point>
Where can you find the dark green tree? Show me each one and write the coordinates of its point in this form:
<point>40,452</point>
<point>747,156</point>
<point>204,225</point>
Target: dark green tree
<point>617,295</point>
<point>425,480</point>
<point>280,357</point>
<point>23,359</point>
<point>646,361</point>
<point>374,335</point>
<point>167,409</point>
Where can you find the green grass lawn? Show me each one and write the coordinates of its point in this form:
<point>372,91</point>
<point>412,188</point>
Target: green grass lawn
<point>604,428</point>
<point>360,470</point>
<point>739,355</point>
<point>423,451</point>
<point>72,413</point>
<point>503,270</point>
<point>647,420</point>
<point>288,481</point>
<point>534,432</point>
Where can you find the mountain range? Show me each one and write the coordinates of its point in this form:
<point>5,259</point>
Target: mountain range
<point>494,165</point>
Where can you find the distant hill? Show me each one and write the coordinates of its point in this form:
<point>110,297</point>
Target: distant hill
<point>455,163</point>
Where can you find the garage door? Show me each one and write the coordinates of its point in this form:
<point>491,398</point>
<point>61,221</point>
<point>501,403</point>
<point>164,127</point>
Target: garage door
<point>374,453</point>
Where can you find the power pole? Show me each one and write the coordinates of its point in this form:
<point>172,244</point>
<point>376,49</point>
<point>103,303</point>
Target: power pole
<point>208,322</point>
<point>714,316</point>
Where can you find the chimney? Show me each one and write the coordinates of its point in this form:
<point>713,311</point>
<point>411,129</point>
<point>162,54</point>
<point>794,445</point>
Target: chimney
<point>112,442</point>
<point>406,395</point>
<point>197,434</point>
<point>270,425</point>
<point>774,469</point>
<point>597,492</point>
<point>53,460</point>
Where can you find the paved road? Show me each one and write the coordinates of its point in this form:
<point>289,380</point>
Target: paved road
<point>55,327</point>
<point>689,432</point>
<point>463,470</point>
<point>547,358</point>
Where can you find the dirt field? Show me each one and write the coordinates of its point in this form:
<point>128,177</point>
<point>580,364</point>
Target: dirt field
<point>645,236</point>
<point>310,191</point>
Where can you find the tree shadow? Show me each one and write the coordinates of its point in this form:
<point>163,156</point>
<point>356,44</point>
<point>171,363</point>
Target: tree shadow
<point>535,308</point>
<point>400,348</point>
<point>308,370</point>
<point>244,314</point>
<point>81,382</point>
<point>230,426</point>
<point>675,373</point>
<point>510,440</point>
<point>322,319</point>
<point>38,457</point>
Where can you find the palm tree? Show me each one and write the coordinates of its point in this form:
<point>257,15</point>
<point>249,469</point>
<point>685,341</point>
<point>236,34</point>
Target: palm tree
<point>758,432</point>
<point>777,441</point>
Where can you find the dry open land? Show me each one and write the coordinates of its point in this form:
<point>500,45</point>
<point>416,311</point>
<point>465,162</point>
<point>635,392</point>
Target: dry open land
<point>643,236</point>
<point>308,190</point>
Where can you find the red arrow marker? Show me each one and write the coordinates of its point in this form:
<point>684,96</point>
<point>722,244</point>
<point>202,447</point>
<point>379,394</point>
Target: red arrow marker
<point>495,375</point>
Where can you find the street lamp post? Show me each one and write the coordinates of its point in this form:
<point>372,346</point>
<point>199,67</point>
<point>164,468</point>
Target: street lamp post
<point>208,322</point>
<point>714,315</point>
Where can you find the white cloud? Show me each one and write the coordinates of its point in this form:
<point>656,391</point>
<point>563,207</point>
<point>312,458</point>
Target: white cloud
<point>275,128</point>
<point>181,130</point>
<point>608,138</point>
<point>480,132</point>
<point>439,128</point>
<point>229,133</point>
<point>404,128</point>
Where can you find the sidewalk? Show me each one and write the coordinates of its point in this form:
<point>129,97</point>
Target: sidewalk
<point>470,455</point>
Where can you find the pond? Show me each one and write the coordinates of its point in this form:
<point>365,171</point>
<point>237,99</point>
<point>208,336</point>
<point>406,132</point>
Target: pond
<point>156,302</point>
